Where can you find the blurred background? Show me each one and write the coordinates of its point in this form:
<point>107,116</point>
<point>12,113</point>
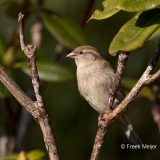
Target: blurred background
<point>74,121</point>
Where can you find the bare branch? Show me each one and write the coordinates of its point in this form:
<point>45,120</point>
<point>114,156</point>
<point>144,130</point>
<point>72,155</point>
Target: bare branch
<point>86,13</point>
<point>15,90</point>
<point>106,119</point>
<point>21,31</point>
<point>102,128</point>
<point>43,117</point>
<point>122,60</point>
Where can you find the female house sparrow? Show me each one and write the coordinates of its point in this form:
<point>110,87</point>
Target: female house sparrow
<point>94,77</point>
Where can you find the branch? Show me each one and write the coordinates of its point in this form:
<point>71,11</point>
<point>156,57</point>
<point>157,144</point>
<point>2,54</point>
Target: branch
<point>15,90</point>
<point>102,128</point>
<point>106,119</point>
<point>122,60</point>
<point>86,13</point>
<point>37,109</point>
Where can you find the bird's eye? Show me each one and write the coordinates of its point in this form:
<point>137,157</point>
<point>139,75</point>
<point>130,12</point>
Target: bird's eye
<point>81,52</point>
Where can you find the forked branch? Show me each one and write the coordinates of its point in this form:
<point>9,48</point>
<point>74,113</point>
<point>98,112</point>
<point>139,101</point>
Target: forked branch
<point>106,118</point>
<point>43,118</point>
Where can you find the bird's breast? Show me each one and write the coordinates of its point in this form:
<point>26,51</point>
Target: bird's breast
<point>94,85</point>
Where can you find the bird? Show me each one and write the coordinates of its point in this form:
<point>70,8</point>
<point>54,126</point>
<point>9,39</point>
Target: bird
<point>94,78</point>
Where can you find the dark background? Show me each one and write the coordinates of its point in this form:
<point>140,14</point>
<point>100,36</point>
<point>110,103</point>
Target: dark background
<point>74,121</point>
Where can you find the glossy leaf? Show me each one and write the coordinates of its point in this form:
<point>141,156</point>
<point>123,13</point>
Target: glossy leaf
<point>136,31</point>
<point>137,5</point>
<point>109,9</point>
<point>48,71</point>
<point>4,93</point>
<point>35,155</point>
<point>64,30</point>
<point>129,84</point>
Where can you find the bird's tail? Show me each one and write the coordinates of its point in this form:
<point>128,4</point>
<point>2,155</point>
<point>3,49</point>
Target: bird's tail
<point>128,129</point>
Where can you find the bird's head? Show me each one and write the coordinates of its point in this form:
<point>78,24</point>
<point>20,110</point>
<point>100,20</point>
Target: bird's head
<point>84,54</point>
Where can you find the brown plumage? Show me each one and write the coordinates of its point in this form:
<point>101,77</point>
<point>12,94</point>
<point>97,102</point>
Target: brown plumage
<point>94,78</point>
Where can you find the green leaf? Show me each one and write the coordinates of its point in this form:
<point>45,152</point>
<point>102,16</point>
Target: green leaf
<point>135,32</point>
<point>137,5</point>
<point>64,30</point>
<point>3,46</point>
<point>4,93</point>
<point>35,155</point>
<point>48,71</point>
<point>129,84</point>
<point>109,9</point>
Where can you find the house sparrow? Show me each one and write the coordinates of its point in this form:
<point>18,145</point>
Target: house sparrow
<point>94,77</point>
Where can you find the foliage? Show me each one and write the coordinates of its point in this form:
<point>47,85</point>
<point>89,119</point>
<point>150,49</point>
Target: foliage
<point>48,71</point>
<point>137,22</point>
<point>110,8</point>
<point>63,29</point>
<point>136,31</point>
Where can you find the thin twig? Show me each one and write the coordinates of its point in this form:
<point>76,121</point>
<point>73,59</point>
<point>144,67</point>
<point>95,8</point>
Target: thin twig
<point>25,118</point>
<point>16,91</point>
<point>86,13</point>
<point>106,119</point>
<point>21,34</point>
<point>122,60</point>
<point>43,119</point>
<point>102,128</point>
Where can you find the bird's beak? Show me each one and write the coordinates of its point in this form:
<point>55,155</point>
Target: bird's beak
<point>71,55</point>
